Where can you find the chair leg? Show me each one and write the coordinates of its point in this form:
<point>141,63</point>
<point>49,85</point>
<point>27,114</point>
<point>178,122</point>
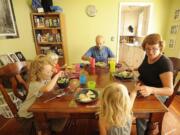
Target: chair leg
<point>153,128</point>
<point>160,128</point>
<point>33,129</point>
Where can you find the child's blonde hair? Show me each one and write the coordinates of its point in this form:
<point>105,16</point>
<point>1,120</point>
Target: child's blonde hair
<point>37,67</point>
<point>115,105</point>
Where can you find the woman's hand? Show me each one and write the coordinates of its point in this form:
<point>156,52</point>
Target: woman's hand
<point>145,90</point>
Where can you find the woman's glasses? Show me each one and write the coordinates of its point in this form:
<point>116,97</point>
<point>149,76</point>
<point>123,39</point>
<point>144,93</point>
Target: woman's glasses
<point>151,49</point>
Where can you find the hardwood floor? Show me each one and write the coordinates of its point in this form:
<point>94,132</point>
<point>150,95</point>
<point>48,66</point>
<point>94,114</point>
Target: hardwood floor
<point>171,122</point>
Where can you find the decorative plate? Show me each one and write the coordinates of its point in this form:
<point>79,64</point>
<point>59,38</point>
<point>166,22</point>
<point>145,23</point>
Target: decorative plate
<point>91,10</point>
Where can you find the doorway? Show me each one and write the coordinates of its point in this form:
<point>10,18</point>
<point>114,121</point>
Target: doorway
<point>134,25</point>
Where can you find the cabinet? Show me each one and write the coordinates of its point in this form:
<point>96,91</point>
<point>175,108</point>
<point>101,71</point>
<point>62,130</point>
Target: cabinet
<point>49,34</point>
<point>132,55</point>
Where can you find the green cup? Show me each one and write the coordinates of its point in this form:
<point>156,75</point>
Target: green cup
<point>91,85</point>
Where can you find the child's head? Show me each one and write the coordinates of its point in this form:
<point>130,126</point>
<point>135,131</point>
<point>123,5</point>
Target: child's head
<point>41,68</point>
<point>115,104</point>
<point>53,56</point>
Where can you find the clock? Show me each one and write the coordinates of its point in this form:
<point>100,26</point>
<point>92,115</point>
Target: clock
<point>91,10</point>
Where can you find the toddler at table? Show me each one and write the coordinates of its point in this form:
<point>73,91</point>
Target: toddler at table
<point>40,78</point>
<point>54,57</point>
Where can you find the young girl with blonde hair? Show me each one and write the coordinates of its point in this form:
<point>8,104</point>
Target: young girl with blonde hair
<point>115,114</point>
<point>40,81</point>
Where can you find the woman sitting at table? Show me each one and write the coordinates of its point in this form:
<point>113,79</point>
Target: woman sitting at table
<point>156,72</point>
<point>115,116</point>
<point>41,71</point>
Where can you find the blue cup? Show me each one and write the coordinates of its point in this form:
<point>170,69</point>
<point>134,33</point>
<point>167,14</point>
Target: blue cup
<point>82,79</point>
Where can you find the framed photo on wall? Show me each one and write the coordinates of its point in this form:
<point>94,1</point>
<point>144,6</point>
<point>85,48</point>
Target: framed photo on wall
<point>5,59</point>
<point>175,28</point>
<point>177,14</point>
<point>13,57</point>
<point>8,27</point>
<point>172,43</point>
<point>20,56</point>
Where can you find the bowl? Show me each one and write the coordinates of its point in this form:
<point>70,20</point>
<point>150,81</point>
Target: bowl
<point>63,82</point>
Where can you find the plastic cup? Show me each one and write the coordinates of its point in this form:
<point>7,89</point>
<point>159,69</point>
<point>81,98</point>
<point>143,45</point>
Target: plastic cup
<point>92,62</point>
<point>91,85</point>
<point>112,66</point>
<point>82,79</point>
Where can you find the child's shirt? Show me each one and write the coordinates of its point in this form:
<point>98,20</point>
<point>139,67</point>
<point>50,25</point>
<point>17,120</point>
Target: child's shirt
<point>33,93</point>
<point>126,130</point>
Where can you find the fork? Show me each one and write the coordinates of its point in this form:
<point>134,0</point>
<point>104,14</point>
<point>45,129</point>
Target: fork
<point>59,95</point>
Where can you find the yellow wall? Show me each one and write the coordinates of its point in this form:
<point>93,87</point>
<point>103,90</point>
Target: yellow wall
<point>175,4</point>
<point>81,29</point>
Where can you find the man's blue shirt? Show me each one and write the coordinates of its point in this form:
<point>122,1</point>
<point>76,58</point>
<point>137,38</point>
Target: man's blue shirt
<point>100,55</point>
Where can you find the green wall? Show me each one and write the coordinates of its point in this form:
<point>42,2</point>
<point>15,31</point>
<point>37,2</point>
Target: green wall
<point>81,29</point>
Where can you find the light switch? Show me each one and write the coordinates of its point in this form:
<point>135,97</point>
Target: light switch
<point>112,38</point>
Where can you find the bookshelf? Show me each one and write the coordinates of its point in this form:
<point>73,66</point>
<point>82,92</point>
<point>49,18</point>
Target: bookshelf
<point>48,32</point>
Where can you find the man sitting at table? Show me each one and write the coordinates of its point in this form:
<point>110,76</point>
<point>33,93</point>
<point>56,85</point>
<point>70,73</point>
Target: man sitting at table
<point>100,52</point>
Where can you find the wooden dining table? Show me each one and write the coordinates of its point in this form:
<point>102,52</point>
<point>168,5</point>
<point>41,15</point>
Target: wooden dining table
<point>66,106</point>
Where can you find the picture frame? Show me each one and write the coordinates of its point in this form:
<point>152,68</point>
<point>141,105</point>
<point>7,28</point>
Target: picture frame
<point>172,43</point>
<point>174,29</point>
<point>13,57</point>
<point>8,27</point>
<point>20,56</point>
<point>177,14</point>
<point>5,59</point>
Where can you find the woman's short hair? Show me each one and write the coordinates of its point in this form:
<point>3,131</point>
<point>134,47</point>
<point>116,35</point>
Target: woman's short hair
<point>153,39</point>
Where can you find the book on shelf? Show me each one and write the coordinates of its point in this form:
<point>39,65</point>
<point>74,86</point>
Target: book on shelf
<point>46,22</point>
<point>48,37</point>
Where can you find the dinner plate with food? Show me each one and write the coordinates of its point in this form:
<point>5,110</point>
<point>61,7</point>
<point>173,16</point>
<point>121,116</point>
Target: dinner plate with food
<point>124,75</point>
<point>86,96</point>
<point>101,64</point>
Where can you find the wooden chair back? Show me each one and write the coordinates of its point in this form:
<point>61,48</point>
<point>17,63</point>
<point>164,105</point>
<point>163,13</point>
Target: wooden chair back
<point>14,126</point>
<point>12,73</point>
<point>170,99</point>
<point>176,66</point>
<point>9,101</point>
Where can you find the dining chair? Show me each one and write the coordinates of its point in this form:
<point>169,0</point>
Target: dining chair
<point>176,65</point>
<point>12,73</point>
<point>15,125</point>
<point>9,126</point>
<point>167,103</point>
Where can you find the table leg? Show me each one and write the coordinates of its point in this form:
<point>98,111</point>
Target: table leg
<point>42,123</point>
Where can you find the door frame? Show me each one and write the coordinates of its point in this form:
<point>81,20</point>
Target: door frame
<point>140,4</point>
